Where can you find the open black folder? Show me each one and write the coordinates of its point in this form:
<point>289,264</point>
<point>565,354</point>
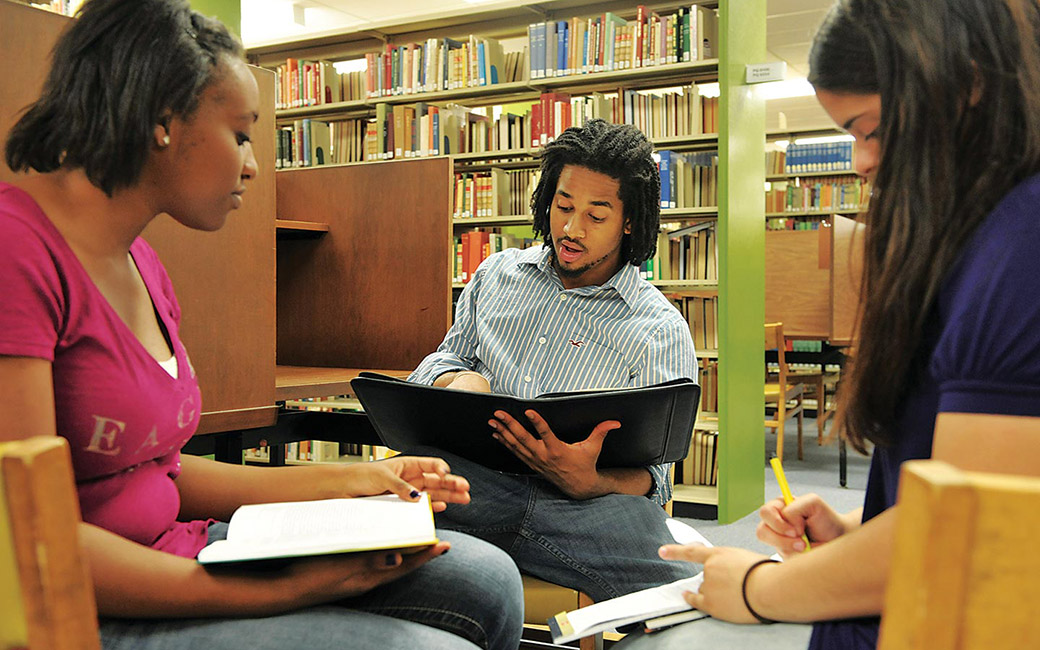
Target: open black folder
<point>656,421</point>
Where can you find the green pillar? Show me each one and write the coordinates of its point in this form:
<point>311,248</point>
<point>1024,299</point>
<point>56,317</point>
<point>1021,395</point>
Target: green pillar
<point>228,11</point>
<point>742,26</point>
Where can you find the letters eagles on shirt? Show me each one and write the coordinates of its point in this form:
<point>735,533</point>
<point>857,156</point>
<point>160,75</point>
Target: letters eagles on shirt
<point>110,437</point>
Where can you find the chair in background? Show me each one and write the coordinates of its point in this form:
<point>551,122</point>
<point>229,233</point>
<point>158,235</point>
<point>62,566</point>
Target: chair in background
<point>780,392</point>
<point>819,385</point>
<point>45,589</point>
<point>965,573</point>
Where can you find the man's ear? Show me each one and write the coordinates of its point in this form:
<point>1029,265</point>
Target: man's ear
<point>628,227</point>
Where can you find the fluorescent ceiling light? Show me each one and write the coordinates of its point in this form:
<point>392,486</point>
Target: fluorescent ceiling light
<point>785,89</point>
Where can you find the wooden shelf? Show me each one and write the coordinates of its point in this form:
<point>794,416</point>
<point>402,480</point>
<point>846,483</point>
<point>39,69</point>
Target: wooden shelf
<point>708,354</point>
<point>808,132</point>
<point>493,155</point>
<point>702,494</point>
<point>510,92</point>
<point>296,382</point>
<point>292,229</point>
<point>667,215</point>
<point>353,107</point>
<point>703,141</point>
<point>784,177</point>
<point>706,70</point>
<point>515,220</point>
<point>712,285</point>
<point>689,214</point>
<point>813,213</point>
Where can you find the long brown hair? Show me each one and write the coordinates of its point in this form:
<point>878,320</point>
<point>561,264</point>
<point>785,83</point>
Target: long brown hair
<point>960,127</point>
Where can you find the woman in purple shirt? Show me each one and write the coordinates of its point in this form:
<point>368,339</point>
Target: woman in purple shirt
<point>149,108</point>
<point>943,98</point>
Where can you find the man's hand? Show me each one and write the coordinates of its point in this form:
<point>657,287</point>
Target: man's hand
<point>570,467</point>
<point>470,380</point>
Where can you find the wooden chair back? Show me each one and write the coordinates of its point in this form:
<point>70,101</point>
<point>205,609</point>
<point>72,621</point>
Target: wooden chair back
<point>46,595</point>
<point>965,570</point>
<point>775,341</point>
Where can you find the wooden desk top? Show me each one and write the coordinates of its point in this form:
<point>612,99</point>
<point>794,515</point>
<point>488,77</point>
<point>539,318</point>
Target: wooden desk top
<point>295,382</point>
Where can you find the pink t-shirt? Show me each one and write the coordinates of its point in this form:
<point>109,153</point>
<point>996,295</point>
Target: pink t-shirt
<point>125,417</point>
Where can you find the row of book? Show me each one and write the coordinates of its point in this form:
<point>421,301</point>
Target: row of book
<point>689,180</point>
<point>702,314</point>
<point>494,193</point>
<point>701,465</point>
<point>817,157</point>
<point>299,83</point>
<point>709,375</point>
<point>305,143</point>
<point>472,248</point>
<point>845,193</point>
<point>441,64</point>
<point>793,223</point>
<point>555,48</point>
<point>608,42</point>
<point>688,253</point>
<point>422,129</point>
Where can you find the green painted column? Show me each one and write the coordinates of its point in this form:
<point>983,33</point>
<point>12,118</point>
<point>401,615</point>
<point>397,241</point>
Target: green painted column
<point>228,11</point>
<point>742,26</point>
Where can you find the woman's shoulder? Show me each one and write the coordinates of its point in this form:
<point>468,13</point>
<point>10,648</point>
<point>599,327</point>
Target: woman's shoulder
<point>24,229</point>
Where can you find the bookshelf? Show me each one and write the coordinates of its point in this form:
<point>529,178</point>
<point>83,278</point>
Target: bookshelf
<point>738,217</point>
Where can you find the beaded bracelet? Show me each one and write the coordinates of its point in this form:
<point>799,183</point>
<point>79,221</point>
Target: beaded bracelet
<point>743,591</point>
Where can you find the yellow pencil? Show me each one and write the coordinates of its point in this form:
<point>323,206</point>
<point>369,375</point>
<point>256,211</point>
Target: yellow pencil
<point>785,490</point>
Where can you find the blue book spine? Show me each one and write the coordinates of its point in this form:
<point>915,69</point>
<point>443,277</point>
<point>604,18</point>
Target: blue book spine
<point>561,47</point>
<point>436,128</point>
<point>665,172</point>
<point>481,64</point>
<point>539,50</point>
<point>585,51</point>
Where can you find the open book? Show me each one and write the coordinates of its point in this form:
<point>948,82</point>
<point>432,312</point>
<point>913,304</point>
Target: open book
<point>296,529</point>
<point>657,607</point>
<point>656,421</point>
<point>636,607</point>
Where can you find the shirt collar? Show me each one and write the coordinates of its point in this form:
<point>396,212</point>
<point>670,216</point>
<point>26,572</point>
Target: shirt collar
<point>625,282</point>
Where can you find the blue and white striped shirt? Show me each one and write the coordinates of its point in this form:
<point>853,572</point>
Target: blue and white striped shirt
<point>517,325</point>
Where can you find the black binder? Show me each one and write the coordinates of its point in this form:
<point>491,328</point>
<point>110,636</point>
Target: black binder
<point>656,421</point>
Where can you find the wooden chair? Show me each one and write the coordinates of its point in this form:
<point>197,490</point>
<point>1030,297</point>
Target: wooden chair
<point>46,595</point>
<point>965,572</point>
<point>779,390</point>
<point>820,385</point>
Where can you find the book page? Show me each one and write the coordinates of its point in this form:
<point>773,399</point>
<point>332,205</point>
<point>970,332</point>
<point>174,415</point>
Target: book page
<point>325,526</point>
<point>632,608</point>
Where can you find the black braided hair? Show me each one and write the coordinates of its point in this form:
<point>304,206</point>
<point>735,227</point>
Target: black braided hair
<point>620,151</point>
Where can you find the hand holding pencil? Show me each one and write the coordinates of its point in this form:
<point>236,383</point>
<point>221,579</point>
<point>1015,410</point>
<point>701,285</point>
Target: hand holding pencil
<point>785,490</point>
<point>786,521</point>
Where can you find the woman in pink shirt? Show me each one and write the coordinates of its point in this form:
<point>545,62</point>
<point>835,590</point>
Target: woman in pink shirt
<point>149,108</point>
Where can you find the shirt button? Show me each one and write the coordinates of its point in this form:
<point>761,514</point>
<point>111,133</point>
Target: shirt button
<point>563,296</point>
<point>542,340</point>
<point>527,378</point>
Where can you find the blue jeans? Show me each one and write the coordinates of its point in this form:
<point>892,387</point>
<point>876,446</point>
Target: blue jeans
<point>605,547</point>
<point>468,598</point>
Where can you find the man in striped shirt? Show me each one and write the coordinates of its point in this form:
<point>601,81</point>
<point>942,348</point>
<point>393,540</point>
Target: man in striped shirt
<point>571,315</point>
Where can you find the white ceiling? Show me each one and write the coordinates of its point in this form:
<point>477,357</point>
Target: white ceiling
<point>790,25</point>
